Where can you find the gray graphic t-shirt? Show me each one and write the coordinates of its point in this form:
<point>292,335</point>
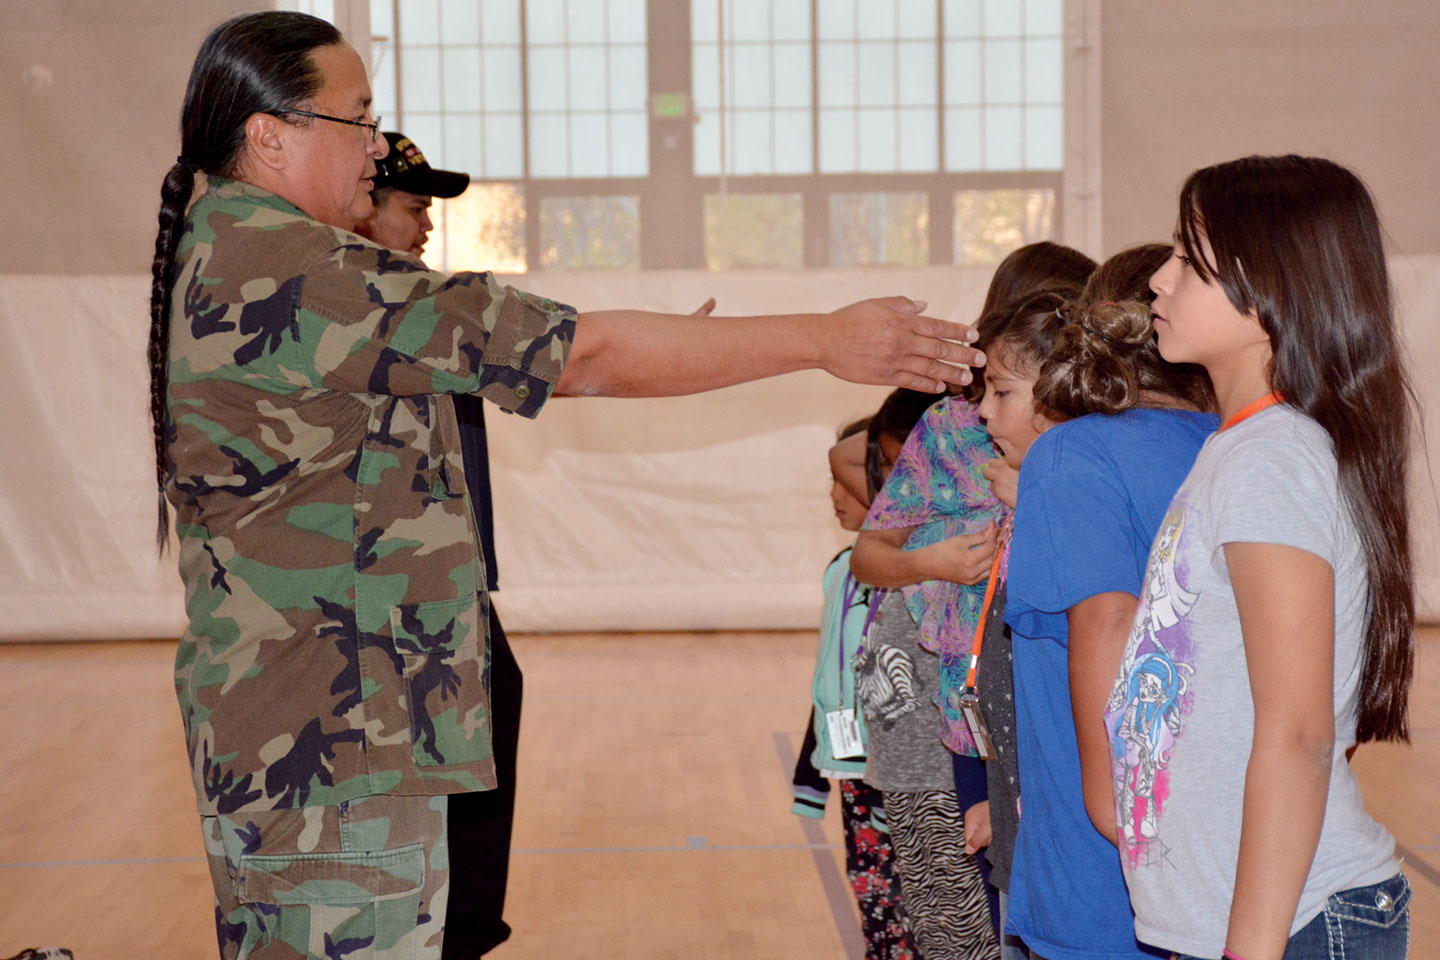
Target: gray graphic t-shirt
<point>896,681</point>
<point>1181,717</point>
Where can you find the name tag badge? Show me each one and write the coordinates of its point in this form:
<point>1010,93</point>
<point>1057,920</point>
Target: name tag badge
<point>845,742</point>
<point>970,707</point>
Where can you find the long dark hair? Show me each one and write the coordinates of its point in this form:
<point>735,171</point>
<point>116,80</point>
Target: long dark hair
<point>1104,358</point>
<point>1036,266</point>
<point>897,416</point>
<point>257,63</point>
<point>1296,242</point>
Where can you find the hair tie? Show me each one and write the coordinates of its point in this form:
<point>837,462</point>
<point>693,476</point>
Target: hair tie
<point>190,165</point>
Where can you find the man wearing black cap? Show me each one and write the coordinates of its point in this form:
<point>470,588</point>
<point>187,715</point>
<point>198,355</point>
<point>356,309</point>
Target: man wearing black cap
<point>480,823</point>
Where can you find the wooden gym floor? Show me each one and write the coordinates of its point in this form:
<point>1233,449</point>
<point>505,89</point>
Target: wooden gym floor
<point>653,803</point>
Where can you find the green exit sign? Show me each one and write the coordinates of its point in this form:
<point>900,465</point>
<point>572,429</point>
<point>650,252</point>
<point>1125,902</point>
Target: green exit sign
<point>670,105</point>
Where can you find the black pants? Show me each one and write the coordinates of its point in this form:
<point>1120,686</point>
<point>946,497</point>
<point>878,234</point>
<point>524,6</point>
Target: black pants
<point>480,823</point>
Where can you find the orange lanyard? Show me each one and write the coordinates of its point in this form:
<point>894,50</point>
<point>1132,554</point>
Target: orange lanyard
<point>1000,544</point>
<point>1251,409</point>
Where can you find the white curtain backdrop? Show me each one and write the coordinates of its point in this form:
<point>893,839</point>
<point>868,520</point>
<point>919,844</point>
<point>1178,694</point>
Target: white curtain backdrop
<point>690,513</point>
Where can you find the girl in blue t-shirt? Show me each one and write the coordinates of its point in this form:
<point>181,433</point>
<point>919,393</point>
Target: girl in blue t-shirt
<point>1277,628</point>
<point>1106,432</point>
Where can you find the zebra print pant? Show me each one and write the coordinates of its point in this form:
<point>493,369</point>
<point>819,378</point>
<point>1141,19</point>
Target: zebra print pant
<point>940,883</point>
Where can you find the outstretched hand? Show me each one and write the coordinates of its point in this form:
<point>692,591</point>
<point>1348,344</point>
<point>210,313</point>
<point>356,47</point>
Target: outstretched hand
<point>705,309</point>
<point>889,342</point>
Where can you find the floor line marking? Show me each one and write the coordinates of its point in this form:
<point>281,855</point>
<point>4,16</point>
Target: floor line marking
<point>837,888</point>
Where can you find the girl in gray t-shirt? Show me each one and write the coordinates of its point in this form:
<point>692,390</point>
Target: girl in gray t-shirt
<point>1275,629</point>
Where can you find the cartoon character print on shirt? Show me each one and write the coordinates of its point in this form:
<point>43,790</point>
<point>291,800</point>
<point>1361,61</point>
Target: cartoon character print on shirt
<point>885,680</point>
<point>1143,715</point>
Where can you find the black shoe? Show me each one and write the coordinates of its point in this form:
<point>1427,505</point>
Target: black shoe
<point>43,953</point>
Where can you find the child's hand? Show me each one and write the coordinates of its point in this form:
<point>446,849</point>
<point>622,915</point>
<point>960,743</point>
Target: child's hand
<point>961,559</point>
<point>1004,481</point>
<point>977,827</point>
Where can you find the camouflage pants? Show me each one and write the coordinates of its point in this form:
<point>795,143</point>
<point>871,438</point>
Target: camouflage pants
<point>364,880</point>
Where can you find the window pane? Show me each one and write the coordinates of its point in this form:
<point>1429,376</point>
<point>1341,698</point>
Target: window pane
<point>835,19</point>
<point>964,141</point>
<point>382,19</point>
<point>877,141</point>
<point>426,130</point>
<point>463,145</point>
<point>917,18</point>
<point>383,83</point>
<point>587,78</point>
<point>1004,129</point>
<point>459,22</point>
<point>589,145</point>
<point>707,145</point>
<point>879,228</point>
<point>702,21</point>
<point>1003,18</point>
<point>963,64</point>
<point>500,21</point>
<point>419,22</point>
<point>627,78</point>
<point>504,147</point>
<point>837,141</point>
<point>792,20</point>
<point>705,77</point>
<point>1044,71</point>
<point>748,75</point>
<point>917,74</point>
<point>962,18</point>
<point>549,146</point>
<point>547,78</point>
<point>544,21</point>
<point>590,232</point>
<point>919,150</point>
<point>837,75</point>
<point>989,224</point>
<point>747,20</point>
<point>627,21</point>
<point>586,20</point>
<point>629,144</point>
<point>1044,17</point>
<point>420,78</point>
<point>876,20</point>
<point>750,146</point>
<point>1044,138</point>
<point>792,142</point>
<point>877,75</point>
<point>1003,71</point>
<point>482,229</point>
<point>461,77</point>
<point>502,78</point>
<point>792,75</point>
<point>754,230</point>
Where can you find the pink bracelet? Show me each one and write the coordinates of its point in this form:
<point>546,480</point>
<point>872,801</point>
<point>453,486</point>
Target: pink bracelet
<point>1229,955</point>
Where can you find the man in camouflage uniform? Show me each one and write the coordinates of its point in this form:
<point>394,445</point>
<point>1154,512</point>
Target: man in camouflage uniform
<point>333,679</point>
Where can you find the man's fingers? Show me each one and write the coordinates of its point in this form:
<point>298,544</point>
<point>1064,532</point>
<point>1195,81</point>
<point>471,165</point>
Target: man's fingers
<point>945,329</point>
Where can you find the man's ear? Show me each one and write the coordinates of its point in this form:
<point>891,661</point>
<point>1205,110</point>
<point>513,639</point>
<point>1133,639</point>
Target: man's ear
<point>265,140</point>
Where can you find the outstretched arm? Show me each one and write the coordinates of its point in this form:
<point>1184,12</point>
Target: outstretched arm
<point>630,353</point>
<point>1286,599</point>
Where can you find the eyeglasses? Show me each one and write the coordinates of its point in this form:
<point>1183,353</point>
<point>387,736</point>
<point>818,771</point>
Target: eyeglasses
<point>373,126</point>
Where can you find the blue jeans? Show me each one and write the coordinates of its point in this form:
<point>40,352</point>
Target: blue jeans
<point>1366,923</point>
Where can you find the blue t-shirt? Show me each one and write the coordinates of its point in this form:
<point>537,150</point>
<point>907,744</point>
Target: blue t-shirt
<point>1093,493</point>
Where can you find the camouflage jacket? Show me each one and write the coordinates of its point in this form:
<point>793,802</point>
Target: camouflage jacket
<point>335,593</point>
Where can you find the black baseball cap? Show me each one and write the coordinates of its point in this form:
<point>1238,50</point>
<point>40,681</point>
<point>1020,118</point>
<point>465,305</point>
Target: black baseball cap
<point>405,168</point>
